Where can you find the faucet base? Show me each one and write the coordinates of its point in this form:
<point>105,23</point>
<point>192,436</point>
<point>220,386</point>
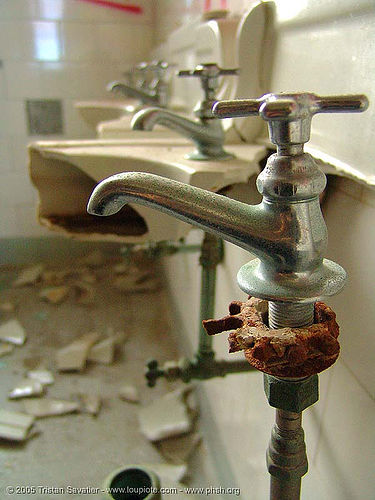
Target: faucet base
<point>200,156</point>
<point>328,279</point>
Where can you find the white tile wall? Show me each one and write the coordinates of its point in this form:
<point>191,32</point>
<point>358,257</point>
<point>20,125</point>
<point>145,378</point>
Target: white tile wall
<point>123,44</point>
<point>79,41</point>
<point>57,49</point>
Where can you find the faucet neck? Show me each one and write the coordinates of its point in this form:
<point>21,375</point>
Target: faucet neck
<point>207,135</point>
<point>290,178</point>
<point>203,111</point>
<point>145,96</point>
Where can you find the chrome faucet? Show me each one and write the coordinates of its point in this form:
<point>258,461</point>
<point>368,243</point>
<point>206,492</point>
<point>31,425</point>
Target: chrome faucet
<point>207,132</point>
<point>286,230</point>
<point>287,233</point>
<point>154,92</point>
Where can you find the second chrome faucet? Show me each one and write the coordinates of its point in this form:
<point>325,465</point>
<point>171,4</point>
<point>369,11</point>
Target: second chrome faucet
<point>148,91</point>
<point>207,132</point>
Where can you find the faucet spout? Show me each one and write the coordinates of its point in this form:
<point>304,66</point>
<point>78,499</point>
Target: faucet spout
<point>127,90</point>
<point>289,239</point>
<point>209,211</point>
<point>207,134</point>
<point>276,234</point>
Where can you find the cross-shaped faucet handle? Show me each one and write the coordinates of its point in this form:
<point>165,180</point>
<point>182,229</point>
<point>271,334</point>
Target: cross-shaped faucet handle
<point>209,74</point>
<point>289,115</point>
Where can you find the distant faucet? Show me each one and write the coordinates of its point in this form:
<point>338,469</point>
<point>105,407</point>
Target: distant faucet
<point>207,133</point>
<point>156,92</point>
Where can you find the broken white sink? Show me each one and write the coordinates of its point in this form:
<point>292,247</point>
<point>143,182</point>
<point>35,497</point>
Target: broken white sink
<point>65,174</point>
<point>95,112</point>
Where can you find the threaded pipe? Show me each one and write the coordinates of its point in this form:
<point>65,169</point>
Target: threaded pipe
<point>290,314</point>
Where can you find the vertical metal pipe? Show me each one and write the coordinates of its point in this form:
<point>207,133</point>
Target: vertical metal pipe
<point>211,255</point>
<point>286,454</point>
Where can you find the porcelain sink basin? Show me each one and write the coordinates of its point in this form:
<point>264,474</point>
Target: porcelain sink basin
<point>65,174</point>
<point>121,129</point>
<point>95,112</point>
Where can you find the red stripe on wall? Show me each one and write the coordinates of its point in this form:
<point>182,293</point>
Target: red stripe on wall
<point>133,9</point>
<point>207,5</point>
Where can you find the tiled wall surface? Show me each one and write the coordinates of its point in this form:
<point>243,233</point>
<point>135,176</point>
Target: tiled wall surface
<point>56,49</point>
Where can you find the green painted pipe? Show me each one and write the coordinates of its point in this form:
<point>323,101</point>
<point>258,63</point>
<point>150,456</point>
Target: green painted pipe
<point>211,255</point>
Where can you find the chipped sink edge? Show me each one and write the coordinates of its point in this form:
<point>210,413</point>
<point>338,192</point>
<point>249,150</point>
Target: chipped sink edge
<point>171,164</point>
<point>331,165</point>
<point>209,175</point>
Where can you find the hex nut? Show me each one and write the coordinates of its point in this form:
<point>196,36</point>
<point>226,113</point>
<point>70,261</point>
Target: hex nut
<point>291,395</point>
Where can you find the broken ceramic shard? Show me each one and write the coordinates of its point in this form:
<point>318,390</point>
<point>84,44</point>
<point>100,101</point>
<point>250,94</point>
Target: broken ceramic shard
<point>73,357</point>
<point>45,407</point>
<point>165,417</point>
<point>129,393</point>
<point>54,295</point>
<point>85,293</point>
<point>29,276</point>
<point>103,351</point>
<point>26,388</point>
<point>137,283</point>
<point>12,331</point>
<point>14,425</point>
<point>45,377</point>
<point>5,349</point>
<point>90,403</point>
<point>178,450</point>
